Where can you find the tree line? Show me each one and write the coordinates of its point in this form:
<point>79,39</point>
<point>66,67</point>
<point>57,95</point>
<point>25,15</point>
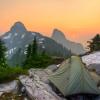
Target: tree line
<point>34,59</point>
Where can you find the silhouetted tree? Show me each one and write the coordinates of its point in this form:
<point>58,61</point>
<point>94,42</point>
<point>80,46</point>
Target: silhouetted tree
<point>94,44</point>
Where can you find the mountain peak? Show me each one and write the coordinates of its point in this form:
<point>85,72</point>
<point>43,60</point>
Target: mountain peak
<point>60,38</point>
<point>57,33</point>
<point>18,27</point>
<point>18,23</point>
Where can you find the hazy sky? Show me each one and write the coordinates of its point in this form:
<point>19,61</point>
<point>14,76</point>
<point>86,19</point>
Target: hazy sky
<point>78,19</point>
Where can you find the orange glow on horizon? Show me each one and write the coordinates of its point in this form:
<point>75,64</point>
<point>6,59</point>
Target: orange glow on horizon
<point>78,19</point>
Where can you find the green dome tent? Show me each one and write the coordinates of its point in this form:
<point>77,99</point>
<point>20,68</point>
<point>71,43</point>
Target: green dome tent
<point>73,78</point>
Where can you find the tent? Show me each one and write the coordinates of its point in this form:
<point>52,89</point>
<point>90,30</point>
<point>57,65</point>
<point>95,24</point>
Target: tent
<point>73,78</point>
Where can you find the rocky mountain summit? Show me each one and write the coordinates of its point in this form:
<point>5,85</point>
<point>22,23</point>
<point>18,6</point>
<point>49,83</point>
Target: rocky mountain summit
<point>60,38</point>
<point>18,38</point>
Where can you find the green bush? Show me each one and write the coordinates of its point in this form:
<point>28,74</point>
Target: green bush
<point>39,61</point>
<point>10,73</point>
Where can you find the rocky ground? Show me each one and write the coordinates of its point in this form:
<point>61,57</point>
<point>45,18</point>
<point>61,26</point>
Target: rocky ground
<point>32,87</point>
<point>35,86</point>
<point>92,61</point>
<point>93,58</point>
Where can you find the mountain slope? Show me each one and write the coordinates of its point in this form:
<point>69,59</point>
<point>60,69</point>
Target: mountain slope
<point>75,48</point>
<point>18,38</point>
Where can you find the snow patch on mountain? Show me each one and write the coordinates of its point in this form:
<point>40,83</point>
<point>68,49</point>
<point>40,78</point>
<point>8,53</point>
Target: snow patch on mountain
<point>41,39</point>
<point>43,47</point>
<point>26,45</point>
<point>8,36</point>
<point>16,34</point>
<point>33,34</point>
<point>23,35</point>
<point>11,51</point>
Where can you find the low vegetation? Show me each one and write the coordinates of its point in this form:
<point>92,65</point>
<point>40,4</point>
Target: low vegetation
<point>38,62</point>
<point>10,73</point>
<point>33,60</point>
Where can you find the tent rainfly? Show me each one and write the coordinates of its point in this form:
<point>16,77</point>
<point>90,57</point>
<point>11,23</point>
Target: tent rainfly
<point>73,78</point>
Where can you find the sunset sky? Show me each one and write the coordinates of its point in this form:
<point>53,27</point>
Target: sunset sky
<point>78,19</point>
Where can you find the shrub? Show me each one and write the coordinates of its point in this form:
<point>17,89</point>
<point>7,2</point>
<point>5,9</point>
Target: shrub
<point>40,61</point>
<point>10,73</point>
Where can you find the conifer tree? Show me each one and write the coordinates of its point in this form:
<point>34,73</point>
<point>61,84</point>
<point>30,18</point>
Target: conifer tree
<point>43,53</point>
<point>94,44</point>
<point>34,47</point>
<point>34,59</point>
<point>2,54</point>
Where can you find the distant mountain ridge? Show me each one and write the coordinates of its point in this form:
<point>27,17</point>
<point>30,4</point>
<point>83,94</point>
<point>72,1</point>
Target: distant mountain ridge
<point>60,38</point>
<point>18,38</point>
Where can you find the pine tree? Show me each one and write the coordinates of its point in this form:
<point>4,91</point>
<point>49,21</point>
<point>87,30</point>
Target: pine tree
<point>34,47</point>
<point>94,44</point>
<point>2,54</point>
<point>34,59</point>
<point>31,50</point>
<point>43,53</point>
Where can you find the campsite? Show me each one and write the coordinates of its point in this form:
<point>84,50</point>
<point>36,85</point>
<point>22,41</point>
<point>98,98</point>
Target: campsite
<point>49,49</point>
